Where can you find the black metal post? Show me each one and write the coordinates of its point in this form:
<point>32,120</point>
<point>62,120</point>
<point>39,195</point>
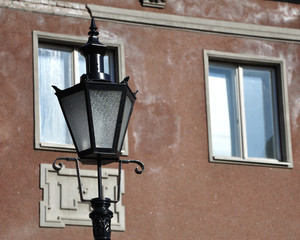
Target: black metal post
<point>101,218</point>
<point>101,215</point>
<point>100,192</point>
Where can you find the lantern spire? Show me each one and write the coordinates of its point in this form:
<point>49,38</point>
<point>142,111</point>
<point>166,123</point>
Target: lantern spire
<point>93,29</point>
<point>94,51</point>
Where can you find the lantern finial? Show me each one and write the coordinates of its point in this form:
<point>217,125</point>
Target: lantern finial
<point>94,51</point>
<point>93,29</point>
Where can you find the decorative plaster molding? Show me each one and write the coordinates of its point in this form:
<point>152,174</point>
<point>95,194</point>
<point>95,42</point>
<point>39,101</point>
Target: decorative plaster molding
<point>193,24</point>
<point>48,6</point>
<point>61,203</point>
<point>154,19</point>
<point>154,3</point>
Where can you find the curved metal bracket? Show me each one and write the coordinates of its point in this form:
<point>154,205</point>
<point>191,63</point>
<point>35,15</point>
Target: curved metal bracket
<point>120,172</point>
<point>58,167</point>
<point>137,171</point>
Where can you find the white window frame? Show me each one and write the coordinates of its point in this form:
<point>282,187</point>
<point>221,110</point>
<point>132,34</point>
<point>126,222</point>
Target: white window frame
<point>45,38</point>
<point>284,126</point>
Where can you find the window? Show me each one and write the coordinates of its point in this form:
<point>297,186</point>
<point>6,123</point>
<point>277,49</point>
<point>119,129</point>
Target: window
<point>247,110</point>
<point>58,62</point>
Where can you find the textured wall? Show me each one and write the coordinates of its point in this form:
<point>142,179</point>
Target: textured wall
<point>180,195</point>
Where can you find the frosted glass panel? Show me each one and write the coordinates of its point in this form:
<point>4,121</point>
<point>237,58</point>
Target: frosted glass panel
<point>105,108</point>
<point>224,111</point>
<point>75,110</point>
<point>125,119</point>
<point>54,69</point>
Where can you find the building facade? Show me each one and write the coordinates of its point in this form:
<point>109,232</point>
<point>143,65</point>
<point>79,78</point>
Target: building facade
<point>216,121</point>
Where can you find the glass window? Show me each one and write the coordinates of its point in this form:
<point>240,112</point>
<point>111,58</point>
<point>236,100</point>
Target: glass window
<point>244,116</point>
<point>247,110</point>
<point>61,66</point>
<point>224,111</point>
<point>261,115</point>
<point>55,68</point>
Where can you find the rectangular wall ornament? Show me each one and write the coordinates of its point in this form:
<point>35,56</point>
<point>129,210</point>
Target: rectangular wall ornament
<point>154,3</point>
<point>61,203</point>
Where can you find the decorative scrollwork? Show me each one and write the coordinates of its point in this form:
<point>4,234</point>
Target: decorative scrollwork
<point>101,218</point>
<point>137,170</point>
<point>58,167</point>
<point>141,165</point>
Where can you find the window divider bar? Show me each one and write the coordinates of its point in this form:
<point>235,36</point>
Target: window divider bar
<point>240,85</point>
<point>75,65</point>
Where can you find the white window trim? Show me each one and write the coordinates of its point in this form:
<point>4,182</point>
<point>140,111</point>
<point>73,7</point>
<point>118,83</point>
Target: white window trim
<point>285,126</point>
<point>64,39</point>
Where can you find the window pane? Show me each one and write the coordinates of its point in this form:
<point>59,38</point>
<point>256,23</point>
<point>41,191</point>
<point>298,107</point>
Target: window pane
<point>109,66</point>
<point>261,114</point>
<point>81,66</point>
<point>54,69</point>
<point>224,111</point>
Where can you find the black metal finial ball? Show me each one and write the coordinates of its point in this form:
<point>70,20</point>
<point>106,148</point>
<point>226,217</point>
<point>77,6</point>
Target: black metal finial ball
<point>93,29</point>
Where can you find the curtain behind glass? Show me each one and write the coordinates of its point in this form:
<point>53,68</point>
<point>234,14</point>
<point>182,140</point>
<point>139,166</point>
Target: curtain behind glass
<point>55,68</point>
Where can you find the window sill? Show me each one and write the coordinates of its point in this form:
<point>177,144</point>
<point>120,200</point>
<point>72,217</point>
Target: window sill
<point>70,148</point>
<point>56,147</point>
<point>251,161</point>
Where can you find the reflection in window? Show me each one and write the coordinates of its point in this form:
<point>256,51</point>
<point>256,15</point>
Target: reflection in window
<point>261,113</point>
<point>224,111</point>
<point>243,112</point>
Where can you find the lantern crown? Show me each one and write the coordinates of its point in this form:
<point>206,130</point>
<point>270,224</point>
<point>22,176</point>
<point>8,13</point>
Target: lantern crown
<point>94,52</point>
<point>93,45</point>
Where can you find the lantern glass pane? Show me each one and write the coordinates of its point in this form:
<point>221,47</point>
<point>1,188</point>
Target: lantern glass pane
<point>125,120</point>
<point>74,107</point>
<point>105,109</point>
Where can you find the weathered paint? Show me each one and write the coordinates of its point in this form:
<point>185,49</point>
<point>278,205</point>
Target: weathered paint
<point>181,195</point>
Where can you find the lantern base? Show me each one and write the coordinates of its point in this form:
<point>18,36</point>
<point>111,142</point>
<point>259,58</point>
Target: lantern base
<point>92,159</point>
<point>101,218</point>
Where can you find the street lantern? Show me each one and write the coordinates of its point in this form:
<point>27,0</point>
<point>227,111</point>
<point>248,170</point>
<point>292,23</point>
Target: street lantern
<point>97,112</point>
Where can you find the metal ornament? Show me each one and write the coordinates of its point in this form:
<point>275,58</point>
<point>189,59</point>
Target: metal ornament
<point>101,217</point>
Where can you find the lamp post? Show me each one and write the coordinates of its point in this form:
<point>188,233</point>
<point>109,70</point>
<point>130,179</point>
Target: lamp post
<point>97,112</point>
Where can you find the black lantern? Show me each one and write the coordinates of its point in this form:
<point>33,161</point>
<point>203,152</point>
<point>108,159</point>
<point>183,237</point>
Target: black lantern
<point>97,112</point>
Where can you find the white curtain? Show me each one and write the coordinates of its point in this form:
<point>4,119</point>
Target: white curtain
<point>55,68</point>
